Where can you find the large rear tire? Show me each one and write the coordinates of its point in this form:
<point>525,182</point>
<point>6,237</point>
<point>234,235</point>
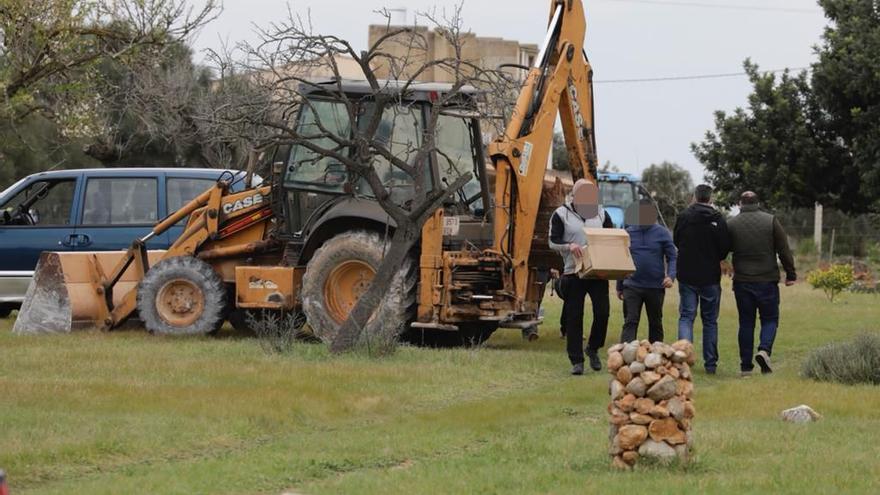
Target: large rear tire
<point>182,296</point>
<point>341,271</point>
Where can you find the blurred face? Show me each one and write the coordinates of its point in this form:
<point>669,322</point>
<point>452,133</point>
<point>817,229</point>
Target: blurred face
<point>641,215</point>
<point>586,199</point>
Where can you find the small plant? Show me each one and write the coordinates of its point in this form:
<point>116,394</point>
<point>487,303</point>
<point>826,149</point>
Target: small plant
<point>832,280</point>
<point>277,331</point>
<point>854,362</point>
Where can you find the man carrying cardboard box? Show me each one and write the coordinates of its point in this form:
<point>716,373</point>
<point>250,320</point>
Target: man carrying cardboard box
<point>568,238</point>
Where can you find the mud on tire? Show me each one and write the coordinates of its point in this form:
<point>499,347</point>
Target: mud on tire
<point>182,296</point>
<point>398,306</point>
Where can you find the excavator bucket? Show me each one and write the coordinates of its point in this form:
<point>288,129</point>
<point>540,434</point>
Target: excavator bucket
<point>63,294</point>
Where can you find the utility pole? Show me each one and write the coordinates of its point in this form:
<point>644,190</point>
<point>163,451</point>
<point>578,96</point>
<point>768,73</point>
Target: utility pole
<point>817,229</point>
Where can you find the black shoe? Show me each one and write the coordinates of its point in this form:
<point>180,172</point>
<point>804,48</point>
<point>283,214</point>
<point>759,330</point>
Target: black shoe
<point>577,369</point>
<point>763,360</point>
<point>595,362</point>
<point>710,371</point>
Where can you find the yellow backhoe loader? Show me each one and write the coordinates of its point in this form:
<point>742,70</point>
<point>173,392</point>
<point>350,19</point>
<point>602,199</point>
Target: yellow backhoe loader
<point>313,239</point>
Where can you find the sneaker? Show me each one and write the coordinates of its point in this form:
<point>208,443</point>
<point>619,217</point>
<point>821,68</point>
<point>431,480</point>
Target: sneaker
<point>595,362</point>
<point>710,371</point>
<point>577,369</point>
<point>745,374</point>
<point>763,360</point>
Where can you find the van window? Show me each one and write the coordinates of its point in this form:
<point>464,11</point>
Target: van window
<point>41,203</point>
<point>182,190</point>
<point>121,201</point>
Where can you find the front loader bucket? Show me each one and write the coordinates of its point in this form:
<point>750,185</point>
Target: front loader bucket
<point>62,296</point>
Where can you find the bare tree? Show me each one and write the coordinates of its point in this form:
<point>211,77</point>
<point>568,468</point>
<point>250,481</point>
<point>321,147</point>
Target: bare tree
<point>291,60</point>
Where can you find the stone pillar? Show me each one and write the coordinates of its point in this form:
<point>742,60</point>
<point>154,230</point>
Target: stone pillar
<point>651,405</point>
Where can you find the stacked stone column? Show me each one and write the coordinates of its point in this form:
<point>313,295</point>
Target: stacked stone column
<point>651,405</point>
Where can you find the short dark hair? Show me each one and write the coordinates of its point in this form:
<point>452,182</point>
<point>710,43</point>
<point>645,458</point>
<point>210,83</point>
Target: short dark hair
<point>748,198</point>
<point>703,193</point>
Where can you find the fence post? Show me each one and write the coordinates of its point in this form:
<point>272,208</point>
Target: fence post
<point>831,250</point>
<point>817,229</point>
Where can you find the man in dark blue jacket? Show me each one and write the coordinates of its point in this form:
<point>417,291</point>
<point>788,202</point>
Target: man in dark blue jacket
<point>654,255</point>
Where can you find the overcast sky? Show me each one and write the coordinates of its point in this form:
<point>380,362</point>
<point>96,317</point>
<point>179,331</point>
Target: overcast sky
<point>637,123</point>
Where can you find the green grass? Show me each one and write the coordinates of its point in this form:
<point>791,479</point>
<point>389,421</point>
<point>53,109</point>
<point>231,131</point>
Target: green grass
<point>131,413</point>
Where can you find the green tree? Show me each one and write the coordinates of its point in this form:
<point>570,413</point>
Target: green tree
<point>803,138</point>
<point>771,147</point>
<point>671,187</point>
<point>560,153</point>
<point>846,86</point>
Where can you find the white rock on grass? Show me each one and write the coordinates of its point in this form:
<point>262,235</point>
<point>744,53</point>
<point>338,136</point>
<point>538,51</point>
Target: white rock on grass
<point>800,414</point>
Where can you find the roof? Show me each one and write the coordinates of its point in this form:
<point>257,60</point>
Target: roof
<point>129,171</point>
<point>417,90</point>
<point>617,177</point>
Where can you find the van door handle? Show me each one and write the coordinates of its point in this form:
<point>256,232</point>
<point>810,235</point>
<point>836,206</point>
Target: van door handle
<point>67,240</point>
<point>83,240</point>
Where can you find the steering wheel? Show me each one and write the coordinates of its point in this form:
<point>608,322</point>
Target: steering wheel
<point>25,216</point>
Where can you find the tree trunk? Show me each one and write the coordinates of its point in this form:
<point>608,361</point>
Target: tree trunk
<point>402,241</point>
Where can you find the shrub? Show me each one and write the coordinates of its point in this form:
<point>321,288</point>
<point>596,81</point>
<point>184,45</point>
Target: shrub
<point>854,362</point>
<point>276,331</point>
<point>832,280</point>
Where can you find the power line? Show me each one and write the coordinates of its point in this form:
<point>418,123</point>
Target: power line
<point>693,77</point>
<point>727,6</point>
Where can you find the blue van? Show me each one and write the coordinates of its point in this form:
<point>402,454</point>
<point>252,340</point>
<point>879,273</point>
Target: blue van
<point>89,210</point>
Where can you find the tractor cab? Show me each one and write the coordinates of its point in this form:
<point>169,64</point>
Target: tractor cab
<point>323,198</point>
<point>617,192</point>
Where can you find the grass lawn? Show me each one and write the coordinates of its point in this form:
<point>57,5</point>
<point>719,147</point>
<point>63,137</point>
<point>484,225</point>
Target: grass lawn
<point>126,412</point>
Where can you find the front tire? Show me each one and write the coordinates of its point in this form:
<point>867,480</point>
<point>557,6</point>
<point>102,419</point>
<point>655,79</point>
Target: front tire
<point>341,271</point>
<point>182,296</point>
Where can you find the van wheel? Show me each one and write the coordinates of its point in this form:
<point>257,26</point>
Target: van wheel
<point>182,296</point>
<point>340,272</point>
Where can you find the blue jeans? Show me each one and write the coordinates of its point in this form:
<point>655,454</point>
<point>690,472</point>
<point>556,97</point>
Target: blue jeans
<point>751,298</point>
<point>708,298</point>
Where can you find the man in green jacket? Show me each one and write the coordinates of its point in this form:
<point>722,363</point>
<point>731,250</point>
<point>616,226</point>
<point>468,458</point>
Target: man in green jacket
<point>757,239</point>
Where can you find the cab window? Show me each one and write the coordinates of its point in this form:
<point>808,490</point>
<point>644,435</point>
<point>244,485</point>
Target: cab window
<point>121,201</point>
<point>399,132</point>
<point>41,203</point>
<point>309,169</point>
<point>620,194</point>
<point>455,157</point>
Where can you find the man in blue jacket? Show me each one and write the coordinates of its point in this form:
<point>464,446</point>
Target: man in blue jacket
<point>654,255</point>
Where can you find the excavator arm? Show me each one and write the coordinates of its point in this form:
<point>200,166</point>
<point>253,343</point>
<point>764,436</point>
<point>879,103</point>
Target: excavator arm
<point>559,83</point>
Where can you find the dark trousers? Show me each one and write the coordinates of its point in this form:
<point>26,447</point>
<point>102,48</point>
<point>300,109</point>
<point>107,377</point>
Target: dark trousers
<point>751,298</point>
<point>575,291</point>
<point>633,300</point>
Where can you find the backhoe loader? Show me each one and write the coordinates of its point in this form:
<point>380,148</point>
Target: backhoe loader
<point>313,239</point>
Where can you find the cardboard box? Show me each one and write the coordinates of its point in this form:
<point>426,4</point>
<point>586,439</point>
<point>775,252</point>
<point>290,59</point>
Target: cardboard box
<point>606,255</point>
